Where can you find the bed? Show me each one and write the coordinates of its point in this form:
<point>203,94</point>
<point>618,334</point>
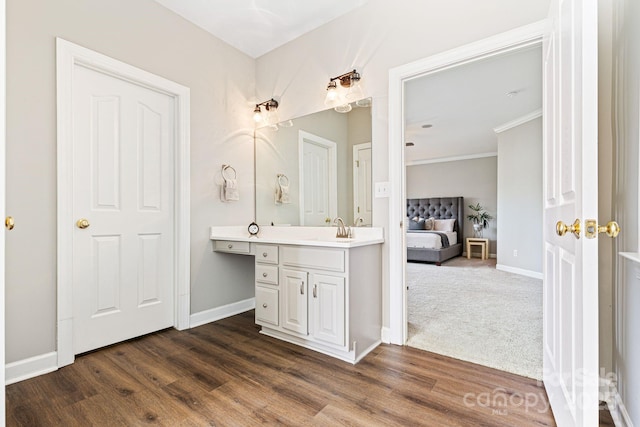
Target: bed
<point>427,245</point>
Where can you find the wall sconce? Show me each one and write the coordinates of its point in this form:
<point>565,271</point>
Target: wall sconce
<point>270,115</point>
<point>342,90</point>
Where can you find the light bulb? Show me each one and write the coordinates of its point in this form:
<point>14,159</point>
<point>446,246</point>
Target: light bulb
<point>257,115</point>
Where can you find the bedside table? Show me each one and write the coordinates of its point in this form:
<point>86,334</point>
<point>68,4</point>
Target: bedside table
<point>484,246</point>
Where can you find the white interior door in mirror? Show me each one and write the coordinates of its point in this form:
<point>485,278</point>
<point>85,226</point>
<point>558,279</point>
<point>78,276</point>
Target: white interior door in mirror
<point>318,179</point>
<point>362,191</point>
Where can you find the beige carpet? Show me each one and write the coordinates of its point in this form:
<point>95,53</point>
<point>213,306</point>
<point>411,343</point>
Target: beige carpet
<point>471,311</point>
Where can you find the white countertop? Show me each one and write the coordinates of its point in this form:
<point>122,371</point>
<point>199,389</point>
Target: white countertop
<point>304,236</point>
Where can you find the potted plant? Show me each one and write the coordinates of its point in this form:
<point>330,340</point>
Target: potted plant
<point>480,219</point>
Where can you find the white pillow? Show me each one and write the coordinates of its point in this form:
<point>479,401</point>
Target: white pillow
<point>428,223</point>
<point>444,224</point>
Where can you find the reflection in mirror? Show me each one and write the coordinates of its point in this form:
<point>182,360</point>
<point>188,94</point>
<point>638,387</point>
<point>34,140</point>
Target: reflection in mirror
<point>316,170</point>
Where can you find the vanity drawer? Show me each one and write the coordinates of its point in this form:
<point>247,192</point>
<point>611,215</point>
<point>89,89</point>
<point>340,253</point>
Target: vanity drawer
<point>319,258</point>
<point>232,247</point>
<point>267,254</point>
<point>266,305</point>
<point>267,274</point>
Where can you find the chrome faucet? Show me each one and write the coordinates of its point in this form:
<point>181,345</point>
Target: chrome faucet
<point>359,220</point>
<point>342,232</point>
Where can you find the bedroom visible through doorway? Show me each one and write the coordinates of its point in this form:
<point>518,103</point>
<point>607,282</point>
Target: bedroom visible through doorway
<point>475,131</point>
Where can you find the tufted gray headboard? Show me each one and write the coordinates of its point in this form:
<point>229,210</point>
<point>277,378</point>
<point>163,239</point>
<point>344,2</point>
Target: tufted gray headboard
<point>439,208</point>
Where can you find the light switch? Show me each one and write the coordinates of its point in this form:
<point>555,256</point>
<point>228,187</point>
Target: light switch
<point>382,189</point>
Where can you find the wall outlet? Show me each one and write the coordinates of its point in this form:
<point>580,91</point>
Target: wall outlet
<point>515,252</point>
<point>382,189</point>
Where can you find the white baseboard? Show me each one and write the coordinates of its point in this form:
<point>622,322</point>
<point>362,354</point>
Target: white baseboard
<point>31,367</point>
<point>385,334</point>
<point>464,254</point>
<point>218,313</point>
<point>617,409</point>
<point>519,271</point>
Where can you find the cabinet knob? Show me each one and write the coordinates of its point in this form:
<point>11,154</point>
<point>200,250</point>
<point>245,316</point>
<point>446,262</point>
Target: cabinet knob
<point>264,274</point>
<point>302,288</point>
<point>264,305</point>
<point>264,254</point>
<point>230,246</point>
<point>315,290</point>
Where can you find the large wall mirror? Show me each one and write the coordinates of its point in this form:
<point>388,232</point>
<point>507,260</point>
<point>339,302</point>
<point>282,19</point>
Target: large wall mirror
<point>315,170</point>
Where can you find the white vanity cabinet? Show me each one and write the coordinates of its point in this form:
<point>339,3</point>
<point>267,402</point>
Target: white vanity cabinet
<point>330,299</point>
<point>313,289</point>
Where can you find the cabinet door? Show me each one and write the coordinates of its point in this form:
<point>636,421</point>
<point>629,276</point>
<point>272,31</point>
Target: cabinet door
<point>294,300</point>
<point>326,303</point>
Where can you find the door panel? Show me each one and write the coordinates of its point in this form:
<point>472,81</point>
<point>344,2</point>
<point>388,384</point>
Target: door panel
<point>294,300</point>
<point>328,308</point>
<point>570,192</point>
<point>123,181</point>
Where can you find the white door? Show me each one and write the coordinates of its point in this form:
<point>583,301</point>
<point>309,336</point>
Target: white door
<point>318,180</point>
<point>294,300</point>
<point>327,312</point>
<point>123,181</point>
<point>570,193</point>
<point>362,191</point>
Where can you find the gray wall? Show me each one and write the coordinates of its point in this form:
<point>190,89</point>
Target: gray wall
<point>144,34</point>
<point>520,196</point>
<point>475,180</point>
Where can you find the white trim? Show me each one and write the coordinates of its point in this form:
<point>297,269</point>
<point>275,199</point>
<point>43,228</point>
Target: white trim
<point>217,313</point>
<point>384,334</point>
<point>32,367</point>
<point>69,55</point>
<point>617,409</point>
<point>520,271</point>
<point>518,38</point>
<point>519,121</point>
<point>332,146</point>
<point>3,145</point>
<point>451,159</point>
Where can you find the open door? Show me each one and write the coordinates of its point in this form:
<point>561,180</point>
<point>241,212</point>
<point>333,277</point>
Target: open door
<point>570,60</point>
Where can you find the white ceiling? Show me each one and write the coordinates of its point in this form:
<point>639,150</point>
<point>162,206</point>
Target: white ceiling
<point>464,104</point>
<point>259,26</point>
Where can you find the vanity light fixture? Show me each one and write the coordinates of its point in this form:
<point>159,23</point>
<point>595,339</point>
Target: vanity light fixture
<point>342,90</point>
<point>269,116</point>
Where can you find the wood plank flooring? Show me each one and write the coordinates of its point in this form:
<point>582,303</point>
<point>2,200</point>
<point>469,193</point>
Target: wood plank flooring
<point>227,374</point>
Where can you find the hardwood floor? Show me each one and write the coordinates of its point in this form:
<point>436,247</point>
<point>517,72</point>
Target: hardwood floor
<point>227,374</point>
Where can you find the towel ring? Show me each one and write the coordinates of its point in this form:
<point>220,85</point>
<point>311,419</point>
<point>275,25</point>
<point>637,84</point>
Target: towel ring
<point>225,168</point>
<point>286,178</point>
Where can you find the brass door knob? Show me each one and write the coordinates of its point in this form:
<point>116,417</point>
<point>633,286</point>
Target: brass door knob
<point>562,228</point>
<point>82,223</point>
<point>612,229</point>
<point>9,223</point>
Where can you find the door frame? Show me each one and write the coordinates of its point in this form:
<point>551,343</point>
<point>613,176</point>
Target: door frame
<point>519,38</point>
<point>333,171</point>
<point>68,55</point>
<point>356,192</point>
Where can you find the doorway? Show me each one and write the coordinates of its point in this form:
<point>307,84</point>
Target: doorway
<point>475,131</point>
<point>153,161</point>
<point>522,38</point>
